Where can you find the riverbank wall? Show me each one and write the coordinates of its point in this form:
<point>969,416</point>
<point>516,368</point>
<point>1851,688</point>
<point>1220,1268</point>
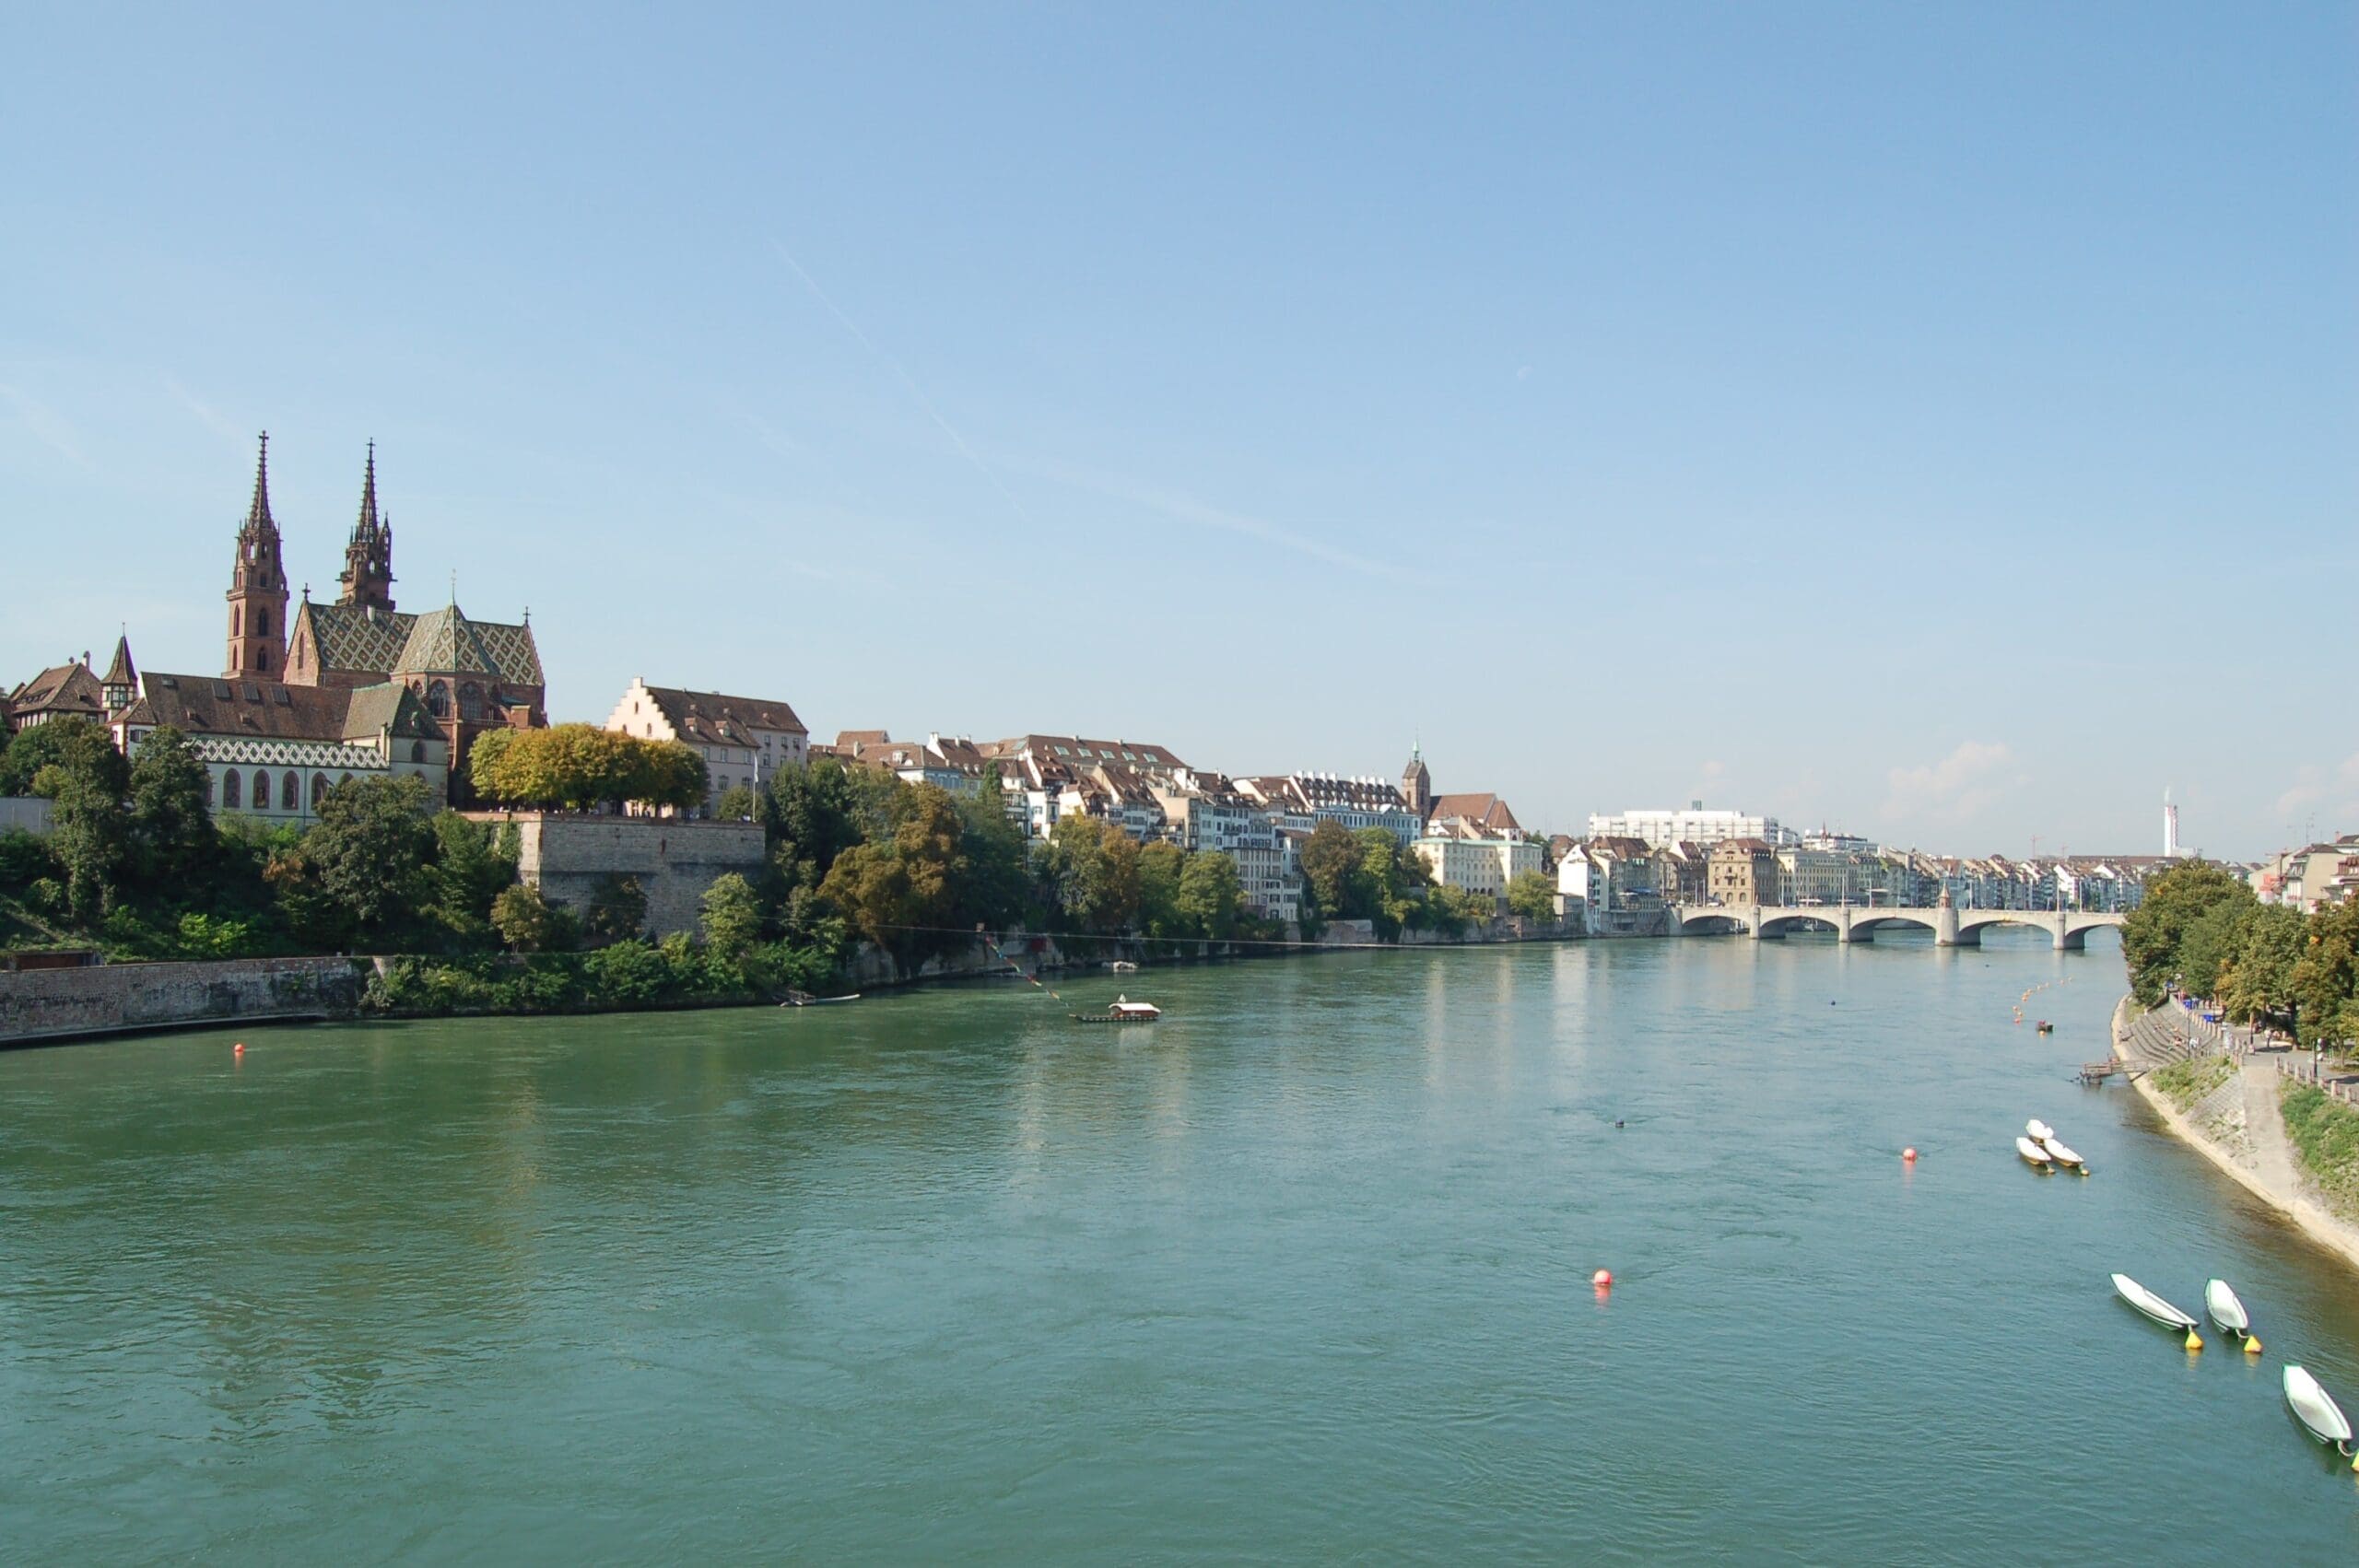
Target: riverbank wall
<point>2240,1129</point>
<point>41,1005</point>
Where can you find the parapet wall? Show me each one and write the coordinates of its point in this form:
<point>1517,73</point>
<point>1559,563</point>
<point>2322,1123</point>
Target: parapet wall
<point>55,1004</point>
<point>568,857</point>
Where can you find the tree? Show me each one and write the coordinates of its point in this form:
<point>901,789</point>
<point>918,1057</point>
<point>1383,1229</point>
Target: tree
<point>1210,894</point>
<point>1532,895</point>
<point>902,893</point>
<point>739,802</point>
<point>1161,866</point>
<point>78,741</point>
<point>733,916</point>
<point>472,867</point>
<point>999,889</point>
<point>1331,867</point>
<point>1094,868</point>
<point>2175,899</point>
<point>2259,980</point>
<point>2209,943</point>
<point>173,845</point>
<point>2325,981</point>
<point>615,910</point>
<point>818,817</point>
<point>577,766</point>
<point>367,854</point>
<point>530,923</point>
<point>1398,881</point>
<point>89,829</point>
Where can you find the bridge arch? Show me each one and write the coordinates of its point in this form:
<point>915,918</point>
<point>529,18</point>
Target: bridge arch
<point>1714,922</point>
<point>1864,924</point>
<point>1787,925</point>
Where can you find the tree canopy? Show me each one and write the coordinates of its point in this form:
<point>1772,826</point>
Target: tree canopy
<point>579,766</point>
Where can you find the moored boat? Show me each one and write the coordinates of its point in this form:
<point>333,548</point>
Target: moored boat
<point>2039,1130</point>
<point>2155,1307</point>
<point>2220,1304</point>
<point>2316,1410</point>
<point>2064,1156</point>
<point>2034,1155</point>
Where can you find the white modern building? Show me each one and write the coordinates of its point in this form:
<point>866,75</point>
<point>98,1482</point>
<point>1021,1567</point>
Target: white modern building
<point>1694,825</point>
<point>1479,865</point>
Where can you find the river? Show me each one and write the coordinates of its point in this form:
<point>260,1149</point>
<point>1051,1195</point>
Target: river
<point>1300,1271</point>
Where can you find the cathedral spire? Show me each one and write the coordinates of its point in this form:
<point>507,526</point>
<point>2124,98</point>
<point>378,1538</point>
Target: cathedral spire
<point>368,576</point>
<point>258,519</point>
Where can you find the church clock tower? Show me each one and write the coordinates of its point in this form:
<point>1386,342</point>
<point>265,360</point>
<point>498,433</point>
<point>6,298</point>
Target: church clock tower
<point>258,587</point>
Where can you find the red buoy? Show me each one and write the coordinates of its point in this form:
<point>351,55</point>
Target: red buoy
<point>1909,1155</point>
<point>237,1049</point>
<point>1603,1279</point>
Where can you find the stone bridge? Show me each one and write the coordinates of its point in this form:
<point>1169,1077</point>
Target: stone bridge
<point>1951,927</point>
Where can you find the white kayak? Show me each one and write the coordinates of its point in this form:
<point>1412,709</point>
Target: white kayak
<point>2063,1155</point>
<point>2039,1130</point>
<point>2153,1305</point>
<point>2221,1304</point>
<point>2316,1408</point>
<point>2034,1154</point>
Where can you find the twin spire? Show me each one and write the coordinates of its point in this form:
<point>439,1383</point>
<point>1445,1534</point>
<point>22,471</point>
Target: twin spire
<point>368,576</point>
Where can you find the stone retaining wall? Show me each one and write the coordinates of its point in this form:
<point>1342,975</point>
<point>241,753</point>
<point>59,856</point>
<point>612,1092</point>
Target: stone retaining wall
<point>568,857</point>
<point>55,1004</point>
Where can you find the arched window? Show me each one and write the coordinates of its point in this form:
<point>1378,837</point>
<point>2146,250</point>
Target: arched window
<point>262,790</point>
<point>238,621</point>
<point>319,790</point>
<point>417,751</point>
<point>262,659</point>
<point>438,699</point>
<point>470,701</point>
<point>262,623</point>
<point>229,786</point>
<point>290,792</point>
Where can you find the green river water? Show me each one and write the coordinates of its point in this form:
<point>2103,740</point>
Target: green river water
<point>1300,1273</point>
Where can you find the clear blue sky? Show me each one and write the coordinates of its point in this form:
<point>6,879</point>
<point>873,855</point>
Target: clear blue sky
<point>1939,422</point>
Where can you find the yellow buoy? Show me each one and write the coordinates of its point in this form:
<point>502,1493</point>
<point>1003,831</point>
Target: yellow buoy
<point>2252,1346</point>
<point>2194,1340</point>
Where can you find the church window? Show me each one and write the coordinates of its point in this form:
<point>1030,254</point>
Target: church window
<point>319,790</point>
<point>470,701</point>
<point>261,659</point>
<point>229,790</point>
<point>290,792</point>
<point>417,751</point>
<point>262,790</point>
<point>438,699</point>
<point>262,623</point>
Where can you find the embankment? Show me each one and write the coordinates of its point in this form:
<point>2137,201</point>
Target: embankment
<point>2238,1127</point>
<point>38,1005</point>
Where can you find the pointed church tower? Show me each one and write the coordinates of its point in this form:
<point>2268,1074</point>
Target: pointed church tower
<point>368,558</point>
<point>1417,785</point>
<point>258,586</point>
<point>121,682</point>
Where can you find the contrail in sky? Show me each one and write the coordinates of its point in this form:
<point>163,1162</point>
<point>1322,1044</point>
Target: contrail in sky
<point>908,380</point>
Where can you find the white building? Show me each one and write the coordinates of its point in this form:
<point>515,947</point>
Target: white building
<point>1305,800</point>
<point>1694,825</point>
<point>274,751</point>
<point>1480,865</point>
<point>744,740</point>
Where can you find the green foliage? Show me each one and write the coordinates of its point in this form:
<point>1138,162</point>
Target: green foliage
<point>2325,981</point>
<point>472,866</point>
<point>577,767</point>
<point>629,974</point>
<point>732,919</point>
<point>739,802</point>
<point>818,814</point>
<point>1532,895</point>
<point>529,923</point>
<point>905,892</point>
<point>206,936</point>
<point>89,831</point>
<point>1331,869</point>
<point>1161,866</point>
<point>615,909</point>
<point>1212,899</point>
<point>2325,1132</point>
<point>68,742</point>
<point>171,841</point>
<point>2154,935</point>
<point>1094,868</point>
<point>361,877</point>
<point>2187,1082</point>
<point>2258,979</point>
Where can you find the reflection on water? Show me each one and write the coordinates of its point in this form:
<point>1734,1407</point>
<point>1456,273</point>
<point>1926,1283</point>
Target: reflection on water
<point>1300,1271</point>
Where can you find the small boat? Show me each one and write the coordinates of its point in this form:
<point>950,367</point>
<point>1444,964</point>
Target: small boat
<point>2046,1027</point>
<point>2315,1410</point>
<point>1123,966</point>
<point>2039,1130</point>
<point>804,998</point>
<point>2063,1157</point>
<point>2220,1304</point>
<point>2035,1155</point>
<point>2158,1309</point>
<point>1125,1011</point>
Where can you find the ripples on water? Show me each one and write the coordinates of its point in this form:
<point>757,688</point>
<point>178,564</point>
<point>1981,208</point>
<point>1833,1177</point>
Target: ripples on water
<point>1300,1271</point>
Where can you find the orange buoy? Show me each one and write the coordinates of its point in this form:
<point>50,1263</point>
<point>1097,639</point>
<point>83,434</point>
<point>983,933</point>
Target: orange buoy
<point>1909,1155</point>
<point>1603,1279</point>
<point>237,1049</point>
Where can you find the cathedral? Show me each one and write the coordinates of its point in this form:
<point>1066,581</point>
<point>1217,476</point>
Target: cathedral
<point>330,692</point>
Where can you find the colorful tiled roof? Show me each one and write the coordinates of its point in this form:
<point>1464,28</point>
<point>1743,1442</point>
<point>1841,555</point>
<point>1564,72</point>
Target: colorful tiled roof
<point>350,637</point>
<point>445,642</point>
